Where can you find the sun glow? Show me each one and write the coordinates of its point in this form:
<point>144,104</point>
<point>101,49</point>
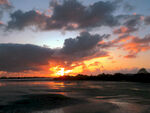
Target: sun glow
<point>95,64</point>
<point>59,71</point>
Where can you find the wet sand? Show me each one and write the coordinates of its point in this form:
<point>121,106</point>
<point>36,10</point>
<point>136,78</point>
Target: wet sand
<point>38,102</point>
<point>74,97</point>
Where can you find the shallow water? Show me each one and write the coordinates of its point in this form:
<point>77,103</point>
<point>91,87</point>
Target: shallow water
<point>98,97</point>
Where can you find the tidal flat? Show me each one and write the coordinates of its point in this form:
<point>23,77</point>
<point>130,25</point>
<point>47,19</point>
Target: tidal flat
<point>73,97</point>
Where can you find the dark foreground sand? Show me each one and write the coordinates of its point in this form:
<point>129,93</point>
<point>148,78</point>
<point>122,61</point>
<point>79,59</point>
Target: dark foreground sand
<point>38,102</point>
<point>74,97</point>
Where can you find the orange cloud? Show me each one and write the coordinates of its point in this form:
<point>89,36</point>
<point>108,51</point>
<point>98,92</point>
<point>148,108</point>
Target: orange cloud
<point>122,29</point>
<point>130,56</point>
<point>38,12</point>
<point>132,44</point>
<point>134,14</point>
<point>123,39</point>
<point>136,45</point>
<point>73,25</point>
<point>1,23</point>
<point>142,18</point>
<point>4,2</point>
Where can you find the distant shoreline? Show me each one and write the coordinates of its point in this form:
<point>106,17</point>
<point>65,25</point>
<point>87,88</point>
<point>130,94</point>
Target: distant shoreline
<point>140,77</point>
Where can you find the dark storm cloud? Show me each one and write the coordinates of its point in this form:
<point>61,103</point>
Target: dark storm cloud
<point>23,57</point>
<point>26,57</point>
<point>83,42</point>
<point>83,46</point>
<point>69,15</point>
<point>22,19</point>
<point>100,13</point>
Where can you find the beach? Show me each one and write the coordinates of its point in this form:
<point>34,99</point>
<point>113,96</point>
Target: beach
<point>30,96</point>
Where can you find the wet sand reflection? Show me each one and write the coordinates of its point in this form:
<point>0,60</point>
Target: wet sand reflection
<point>100,97</point>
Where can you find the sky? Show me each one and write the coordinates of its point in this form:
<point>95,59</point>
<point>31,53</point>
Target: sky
<point>49,38</point>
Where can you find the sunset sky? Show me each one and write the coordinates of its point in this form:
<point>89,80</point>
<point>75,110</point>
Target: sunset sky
<point>60,37</point>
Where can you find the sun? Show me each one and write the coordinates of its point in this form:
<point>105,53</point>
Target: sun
<point>59,71</point>
<point>62,72</point>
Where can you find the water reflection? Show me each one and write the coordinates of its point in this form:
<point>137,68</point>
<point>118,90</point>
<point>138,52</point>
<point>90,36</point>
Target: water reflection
<point>51,111</point>
<point>126,107</point>
<point>2,84</point>
<point>102,97</point>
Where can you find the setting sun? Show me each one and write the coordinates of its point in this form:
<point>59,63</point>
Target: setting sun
<point>59,71</point>
<point>74,56</point>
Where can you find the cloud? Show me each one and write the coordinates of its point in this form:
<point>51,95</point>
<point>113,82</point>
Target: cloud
<point>100,13</point>
<point>83,42</point>
<point>83,46</point>
<point>4,6</point>
<point>132,44</point>
<point>27,57</point>
<point>122,38</point>
<point>23,57</point>
<point>126,70</point>
<point>124,29</point>
<point>129,24</point>
<point>1,23</point>
<point>133,20</point>
<point>128,7</point>
<point>69,15</point>
<point>135,45</point>
<point>4,2</point>
<point>144,40</point>
<point>130,56</point>
<point>22,19</point>
<point>53,3</point>
<point>129,43</point>
<point>147,20</point>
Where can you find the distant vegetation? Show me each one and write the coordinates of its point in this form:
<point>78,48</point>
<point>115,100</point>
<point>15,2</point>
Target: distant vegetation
<point>27,78</point>
<point>109,77</point>
<point>141,76</point>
